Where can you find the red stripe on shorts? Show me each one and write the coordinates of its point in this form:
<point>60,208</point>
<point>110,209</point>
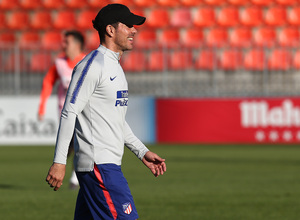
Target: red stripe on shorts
<point>106,193</point>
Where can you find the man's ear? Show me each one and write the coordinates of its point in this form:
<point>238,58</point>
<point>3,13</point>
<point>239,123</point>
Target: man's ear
<point>110,30</point>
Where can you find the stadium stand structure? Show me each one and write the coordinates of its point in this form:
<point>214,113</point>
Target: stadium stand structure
<point>199,36</point>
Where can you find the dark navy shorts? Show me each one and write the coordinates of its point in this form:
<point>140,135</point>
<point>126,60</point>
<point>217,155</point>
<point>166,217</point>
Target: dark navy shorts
<point>104,195</point>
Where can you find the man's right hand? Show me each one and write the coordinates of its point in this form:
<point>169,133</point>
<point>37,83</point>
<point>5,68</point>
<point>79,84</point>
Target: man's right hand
<point>56,175</point>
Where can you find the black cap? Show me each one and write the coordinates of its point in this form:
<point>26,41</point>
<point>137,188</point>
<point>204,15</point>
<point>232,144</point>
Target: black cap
<point>113,13</point>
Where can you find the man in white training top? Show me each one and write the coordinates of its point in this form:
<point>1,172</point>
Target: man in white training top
<point>95,107</point>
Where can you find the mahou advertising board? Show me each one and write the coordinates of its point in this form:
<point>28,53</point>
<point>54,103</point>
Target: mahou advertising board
<point>251,120</point>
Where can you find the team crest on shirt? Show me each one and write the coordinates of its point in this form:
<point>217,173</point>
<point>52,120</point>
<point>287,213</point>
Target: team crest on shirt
<point>127,208</point>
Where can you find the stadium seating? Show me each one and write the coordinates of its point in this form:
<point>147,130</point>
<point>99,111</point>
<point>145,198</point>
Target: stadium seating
<point>181,18</point>
<point>289,37</point>
<point>228,17</point>
<point>158,18</point>
<point>206,60</point>
<point>192,38</point>
<point>275,16</point>
<point>293,17</point>
<point>190,3</point>
<point>129,3</point>
<point>168,3</point>
<point>75,4</point>
<point>265,37</point>
<point>158,61</point>
<point>255,60</point>
<point>169,38</point>
<point>2,21</point>
<point>215,2</point>
<point>96,4</point>
<point>29,40</point>
<point>280,59</point>
<point>180,60</point>
<point>286,2</point>
<point>30,4</point>
<point>18,20</point>
<point>53,4</point>
<point>9,4</point>
<point>84,19</point>
<point>41,20</point>
<point>251,16</point>
<point>204,17</point>
<point>262,2</point>
<point>134,61</point>
<point>145,39</point>
<point>64,20</point>
<point>7,38</point>
<point>238,2</point>
<point>92,40</point>
<point>217,37</point>
<point>15,62</point>
<point>231,59</point>
<point>240,37</point>
<point>40,62</point>
<point>296,60</point>
<point>51,40</point>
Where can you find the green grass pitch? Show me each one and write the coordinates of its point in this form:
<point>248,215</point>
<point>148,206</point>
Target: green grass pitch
<point>205,182</point>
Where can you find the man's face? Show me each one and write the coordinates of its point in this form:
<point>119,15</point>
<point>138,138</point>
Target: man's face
<point>69,45</point>
<point>124,37</point>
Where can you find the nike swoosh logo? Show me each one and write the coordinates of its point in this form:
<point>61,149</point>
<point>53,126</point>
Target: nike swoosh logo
<point>112,78</point>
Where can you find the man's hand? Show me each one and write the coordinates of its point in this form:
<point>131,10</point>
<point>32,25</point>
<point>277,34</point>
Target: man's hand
<point>156,164</point>
<point>56,175</point>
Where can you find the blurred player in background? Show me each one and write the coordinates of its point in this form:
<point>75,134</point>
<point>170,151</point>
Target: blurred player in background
<point>95,107</point>
<point>61,72</point>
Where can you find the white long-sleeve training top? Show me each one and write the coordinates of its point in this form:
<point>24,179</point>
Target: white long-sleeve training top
<point>95,107</point>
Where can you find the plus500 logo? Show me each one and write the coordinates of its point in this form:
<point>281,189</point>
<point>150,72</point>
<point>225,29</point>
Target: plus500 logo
<point>122,98</point>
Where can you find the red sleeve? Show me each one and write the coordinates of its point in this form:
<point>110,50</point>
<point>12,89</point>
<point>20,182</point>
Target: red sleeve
<point>48,83</point>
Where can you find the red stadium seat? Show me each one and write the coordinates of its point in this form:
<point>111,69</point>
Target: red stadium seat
<point>52,40</point>
<point>169,38</point>
<point>217,37</point>
<point>64,20</point>
<point>287,2</point>
<point>75,4</point>
<point>265,37</point>
<point>255,59</point>
<point>84,19</point>
<point>180,60</point>
<point>276,16</point>
<point>262,2</point>
<point>280,59</point>
<point>40,62</point>
<point>7,38</point>
<point>206,60</point>
<point>158,61</point>
<point>191,3</point>
<point>53,4</point>
<point>97,4</point>
<point>214,2</point>
<point>168,3</point>
<point>145,3</point>
<point>145,39</point>
<point>289,37</point>
<point>192,38</point>
<point>134,61</point>
<point>9,4</point>
<point>30,4</point>
<point>29,40</point>
<point>181,17</point>
<point>296,60</point>
<point>18,20</point>
<point>228,17</point>
<point>2,21</point>
<point>14,62</point>
<point>251,16</point>
<point>124,2</point>
<point>41,20</point>
<point>204,17</point>
<point>92,41</point>
<point>231,59</point>
<point>240,37</point>
<point>158,18</point>
<point>294,16</point>
<point>238,2</point>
